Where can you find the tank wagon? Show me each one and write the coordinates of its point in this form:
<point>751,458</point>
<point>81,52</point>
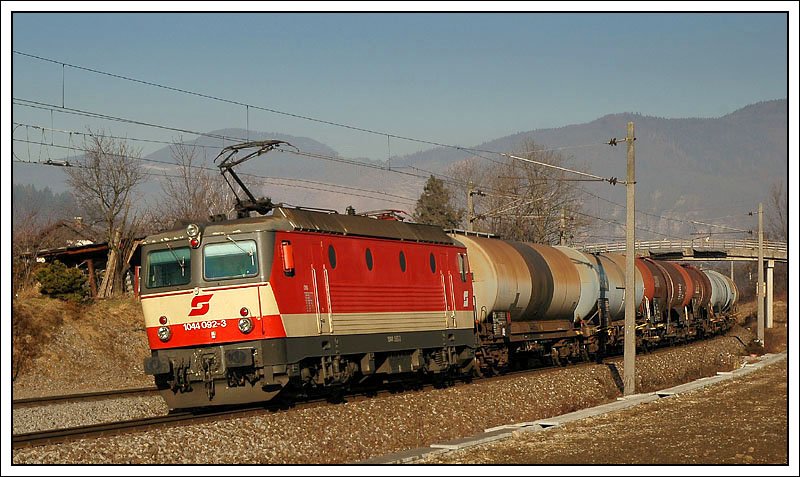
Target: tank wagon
<point>304,301</point>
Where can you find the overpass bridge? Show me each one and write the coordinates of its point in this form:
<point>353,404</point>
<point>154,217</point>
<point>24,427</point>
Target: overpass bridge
<point>697,249</point>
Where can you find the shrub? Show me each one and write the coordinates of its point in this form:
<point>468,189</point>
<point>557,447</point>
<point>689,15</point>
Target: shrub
<point>59,281</point>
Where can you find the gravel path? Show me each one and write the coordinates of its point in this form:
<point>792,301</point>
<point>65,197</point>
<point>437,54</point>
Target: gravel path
<point>359,430</point>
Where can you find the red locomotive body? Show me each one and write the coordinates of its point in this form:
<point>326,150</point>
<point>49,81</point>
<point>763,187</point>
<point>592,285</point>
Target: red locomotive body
<point>240,310</point>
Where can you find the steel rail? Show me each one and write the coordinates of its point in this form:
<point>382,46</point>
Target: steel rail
<point>92,396</point>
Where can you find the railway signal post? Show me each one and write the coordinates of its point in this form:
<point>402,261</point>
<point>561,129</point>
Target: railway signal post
<point>629,358</point>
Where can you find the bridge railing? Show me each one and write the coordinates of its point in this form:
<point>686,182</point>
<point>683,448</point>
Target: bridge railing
<point>697,244</point>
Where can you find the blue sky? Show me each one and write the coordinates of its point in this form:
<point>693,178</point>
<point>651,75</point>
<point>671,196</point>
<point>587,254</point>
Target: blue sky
<point>456,78</point>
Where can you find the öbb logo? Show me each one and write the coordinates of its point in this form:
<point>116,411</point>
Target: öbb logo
<point>200,305</point>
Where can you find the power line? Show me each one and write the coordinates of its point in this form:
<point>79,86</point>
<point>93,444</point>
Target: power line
<point>92,114</point>
<point>51,107</point>
<point>308,118</point>
<point>355,190</point>
<point>684,221</point>
<point>126,138</point>
<point>48,107</point>
<point>623,225</point>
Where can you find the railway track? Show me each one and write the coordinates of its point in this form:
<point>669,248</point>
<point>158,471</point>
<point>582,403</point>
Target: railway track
<point>93,396</point>
<point>186,417</point>
<point>96,430</point>
<point>56,436</point>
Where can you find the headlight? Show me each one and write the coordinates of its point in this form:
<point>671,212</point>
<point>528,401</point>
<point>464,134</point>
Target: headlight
<point>192,230</point>
<point>245,325</point>
<point>164,334</point>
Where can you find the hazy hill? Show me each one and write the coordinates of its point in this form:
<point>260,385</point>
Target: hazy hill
<point>693,167</point>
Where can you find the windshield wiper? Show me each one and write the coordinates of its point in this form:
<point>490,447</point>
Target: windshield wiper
<point>248,252</point>
<point>180,261</point>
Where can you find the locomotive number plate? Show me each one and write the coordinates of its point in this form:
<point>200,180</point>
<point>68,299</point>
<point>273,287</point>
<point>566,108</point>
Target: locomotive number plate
<point>205,325</point>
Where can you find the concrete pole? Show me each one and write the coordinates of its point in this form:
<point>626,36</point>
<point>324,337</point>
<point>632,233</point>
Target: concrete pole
<point>770,268</point>
<point>731,270</point>
<point>629,358</point>
<point>760,284</point>
<point>470,207</point>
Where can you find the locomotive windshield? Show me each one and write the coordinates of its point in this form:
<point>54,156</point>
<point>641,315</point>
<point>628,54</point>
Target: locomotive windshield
<point>234,259</point>
<point>169,267</point>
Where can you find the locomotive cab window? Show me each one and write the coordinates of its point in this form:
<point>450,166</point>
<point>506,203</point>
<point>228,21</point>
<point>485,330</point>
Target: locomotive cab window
<point>169,267</point>
<point>234,259</point>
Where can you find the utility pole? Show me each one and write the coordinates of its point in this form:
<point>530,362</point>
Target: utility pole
<point>629,357</point>
<point>562,232</point>
<point>760,287</point>
<point>470,208</point>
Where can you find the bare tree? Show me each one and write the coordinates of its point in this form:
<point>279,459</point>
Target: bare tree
<point>777,213</point>
<point>27,239</point>
<point>524,201</point>
<point>104,186</point>
<point>191,192</point>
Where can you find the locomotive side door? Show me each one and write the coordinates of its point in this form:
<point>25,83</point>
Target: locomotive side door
<point>446,276</point>
<point>321,285</point>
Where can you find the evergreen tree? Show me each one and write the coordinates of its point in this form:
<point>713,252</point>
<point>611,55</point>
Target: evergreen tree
<point>434,207</point>
<point>59,281</point>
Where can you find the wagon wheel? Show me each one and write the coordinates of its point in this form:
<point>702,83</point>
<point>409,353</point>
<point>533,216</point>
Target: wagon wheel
<point>554,357</point>
<point>584,353</point>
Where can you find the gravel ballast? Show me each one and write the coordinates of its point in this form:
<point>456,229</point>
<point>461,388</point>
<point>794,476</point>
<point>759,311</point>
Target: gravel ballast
<point>59,416</point>
<point>359,430</point>
<point>743,420</point>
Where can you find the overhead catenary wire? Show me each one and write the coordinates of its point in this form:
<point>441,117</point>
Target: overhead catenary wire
<point>611,180</point>
<point>276,181</point>
<point>355,191</point>
<point>111,136</point>
<point>49,107</point>
<point>448,179</point>
<point>684,221</point>
<point>473,151</point>
<point>619,224</point>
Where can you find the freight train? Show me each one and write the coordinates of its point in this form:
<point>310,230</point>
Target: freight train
<point>305,301</point>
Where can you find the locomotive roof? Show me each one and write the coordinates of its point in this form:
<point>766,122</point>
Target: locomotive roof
<point>289,219</point>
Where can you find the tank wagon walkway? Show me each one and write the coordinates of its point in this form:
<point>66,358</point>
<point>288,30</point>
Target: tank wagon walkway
<point>742,418</point>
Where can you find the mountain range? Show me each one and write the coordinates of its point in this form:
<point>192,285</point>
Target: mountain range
<point>686,168</point>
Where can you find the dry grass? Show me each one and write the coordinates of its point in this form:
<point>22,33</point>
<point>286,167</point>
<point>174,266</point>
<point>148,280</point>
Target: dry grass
<point>775,338</point>
<point>35,320</point>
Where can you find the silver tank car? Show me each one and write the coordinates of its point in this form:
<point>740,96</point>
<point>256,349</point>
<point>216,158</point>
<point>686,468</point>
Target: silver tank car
<point>542,283</point>
<point>723,291</point>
